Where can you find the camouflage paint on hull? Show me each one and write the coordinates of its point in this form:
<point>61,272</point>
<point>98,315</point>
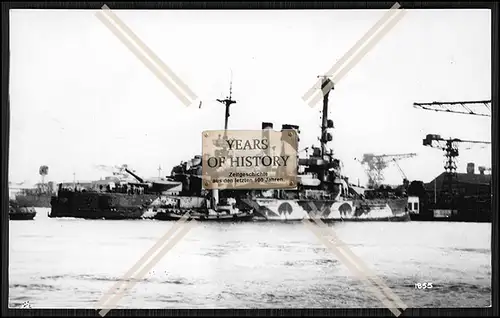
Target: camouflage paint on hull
<point>328,210</point>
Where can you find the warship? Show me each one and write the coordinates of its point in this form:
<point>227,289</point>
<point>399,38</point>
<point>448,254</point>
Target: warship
<point>322,191</point>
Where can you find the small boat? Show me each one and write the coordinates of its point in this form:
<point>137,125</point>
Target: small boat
<point>171,215</point>
<point>198,208</point>
<point>17,212</point>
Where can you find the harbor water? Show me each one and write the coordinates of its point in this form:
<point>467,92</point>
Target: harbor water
<point>72,263</point>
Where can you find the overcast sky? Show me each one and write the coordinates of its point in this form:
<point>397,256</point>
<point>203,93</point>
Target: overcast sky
<point>80,98</point>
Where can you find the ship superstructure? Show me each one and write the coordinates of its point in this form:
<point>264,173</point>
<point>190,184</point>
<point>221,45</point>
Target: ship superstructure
<point>322,190</point>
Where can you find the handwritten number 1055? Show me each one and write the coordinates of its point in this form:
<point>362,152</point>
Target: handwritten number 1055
<point>423,285</point>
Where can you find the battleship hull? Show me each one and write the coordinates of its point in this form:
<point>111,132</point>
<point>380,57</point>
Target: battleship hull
<point>329,210</point>
<point>93,205</point>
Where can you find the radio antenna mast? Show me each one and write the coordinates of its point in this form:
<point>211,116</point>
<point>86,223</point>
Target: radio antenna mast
<point>228,101</point>
<point>327,85</point>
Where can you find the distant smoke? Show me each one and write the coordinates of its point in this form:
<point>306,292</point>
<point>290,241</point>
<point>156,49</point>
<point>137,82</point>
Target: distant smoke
<point>374,166</point>
<point>43,170</point>
<point>373,162</point>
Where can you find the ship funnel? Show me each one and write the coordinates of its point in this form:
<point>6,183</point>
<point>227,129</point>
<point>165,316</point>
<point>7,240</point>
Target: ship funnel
<point>287,126</point>
<point>267,126</point>
<point>265,134</point>
<point>481,169</point>
<point>470,168</point>
<point>293,127</point>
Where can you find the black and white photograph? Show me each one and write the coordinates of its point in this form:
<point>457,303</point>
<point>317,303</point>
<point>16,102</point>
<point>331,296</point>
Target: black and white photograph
<point>382,198</point>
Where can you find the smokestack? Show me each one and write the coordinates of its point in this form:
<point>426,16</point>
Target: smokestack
<point>292,127</point>
<point>287,126</point>
<point>267,126</point>
<point>470,168</point>
<point>481,170</point>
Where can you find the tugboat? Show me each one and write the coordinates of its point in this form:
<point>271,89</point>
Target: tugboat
<point>18,212</point>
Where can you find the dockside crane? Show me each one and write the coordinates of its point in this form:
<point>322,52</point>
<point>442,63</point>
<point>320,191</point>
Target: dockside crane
<point>375,164</point>
<point>406,182</point>
<point>476,107</point>
<point>450,147</point>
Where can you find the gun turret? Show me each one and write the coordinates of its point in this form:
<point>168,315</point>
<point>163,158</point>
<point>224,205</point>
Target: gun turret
<point>135,176</point>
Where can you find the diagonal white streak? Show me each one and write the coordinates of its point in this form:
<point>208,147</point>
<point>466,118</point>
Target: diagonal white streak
<point>369,40</point>
<point>148,266</point>
<point>349,259</point>
<point>253,204</point>
<point>350,264</point>
<point>146,56</point>
<point>361,265</point>
<point>149,52</point>
<point>150,65</point>
<point>315,210</point>
<point>355,47</point>
<point>362,53</point>
<point>143,260</point>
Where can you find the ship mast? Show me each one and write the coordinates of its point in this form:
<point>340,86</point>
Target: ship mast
<point>228,101</point>
<point>326,86</point>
